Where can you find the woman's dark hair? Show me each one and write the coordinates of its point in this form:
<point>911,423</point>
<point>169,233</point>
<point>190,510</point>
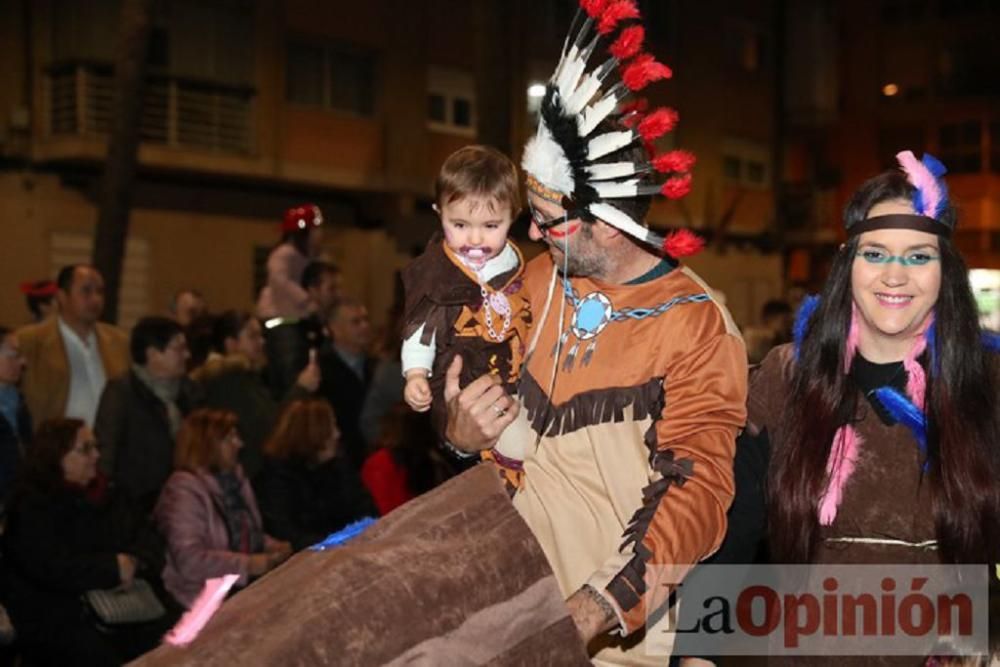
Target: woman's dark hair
<point>963,423</point>
<point>42,470</point>
<point>228,325</point>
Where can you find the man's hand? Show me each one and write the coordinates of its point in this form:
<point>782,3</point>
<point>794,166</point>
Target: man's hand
<point>478,414</point>
<point>589,615</point>
<point>310,377</point>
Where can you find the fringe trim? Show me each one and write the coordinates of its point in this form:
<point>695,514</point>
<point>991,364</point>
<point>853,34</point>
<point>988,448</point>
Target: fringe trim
<point>598,406</point>
<point>629,585</point>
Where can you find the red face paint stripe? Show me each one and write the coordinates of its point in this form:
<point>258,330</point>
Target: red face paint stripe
<point>569,231</point>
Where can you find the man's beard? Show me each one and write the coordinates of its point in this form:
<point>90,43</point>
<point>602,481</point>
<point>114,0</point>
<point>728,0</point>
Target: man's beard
<point>576,256</point>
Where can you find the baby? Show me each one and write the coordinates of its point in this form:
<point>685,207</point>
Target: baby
<point>463,294</point>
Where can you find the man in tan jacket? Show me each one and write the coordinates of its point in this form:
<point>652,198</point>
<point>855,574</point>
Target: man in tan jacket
<point>72,356</point>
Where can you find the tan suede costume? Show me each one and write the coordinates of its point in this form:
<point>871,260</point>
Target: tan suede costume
<point>630,459</point>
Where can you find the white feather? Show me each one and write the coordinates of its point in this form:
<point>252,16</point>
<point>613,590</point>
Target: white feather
<point>608,170</point>
<point>545,160</point>
<point>616,189</point>
<point>621,220</point>
<point>561,67</point>
<point>570,76</point>
<point>594,114</point>
<point>609,142</point>
<point>581,96</point>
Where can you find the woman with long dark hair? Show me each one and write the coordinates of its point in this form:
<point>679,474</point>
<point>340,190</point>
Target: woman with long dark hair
<point>882,416</point>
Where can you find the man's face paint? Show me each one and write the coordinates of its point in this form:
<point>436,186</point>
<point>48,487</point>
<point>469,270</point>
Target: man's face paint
<point>549,221</point>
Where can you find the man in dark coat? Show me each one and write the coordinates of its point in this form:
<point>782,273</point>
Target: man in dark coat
<point>347,370</point>
<point>140,413</point>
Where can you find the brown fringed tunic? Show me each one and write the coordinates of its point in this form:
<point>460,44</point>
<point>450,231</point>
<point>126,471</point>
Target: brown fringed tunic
<point>885,497</point>
<point>630,458</point>
<point>443,296</point>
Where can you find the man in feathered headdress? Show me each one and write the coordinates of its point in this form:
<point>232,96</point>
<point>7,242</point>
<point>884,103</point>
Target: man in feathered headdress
<point>635,383</point>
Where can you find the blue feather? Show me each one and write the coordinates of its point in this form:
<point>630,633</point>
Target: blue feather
<point>934,165</point>
<point>938,170</point>
<point>918,201</point>
<point>806,310</point>
<point>991,341</point>
<point>344,535</point>
<point>906,413</point>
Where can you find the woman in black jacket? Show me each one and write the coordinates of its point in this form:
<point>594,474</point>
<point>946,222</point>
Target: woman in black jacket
<point>68,533</point>
<point>306,489</point>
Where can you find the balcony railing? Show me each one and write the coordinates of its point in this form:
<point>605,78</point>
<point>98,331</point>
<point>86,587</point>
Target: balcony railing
<point>176,111</point>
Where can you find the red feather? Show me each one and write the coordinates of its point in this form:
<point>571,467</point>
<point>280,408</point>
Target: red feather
<point>628,43</point>
<point>683,243</point>
<point>615,13</point>
<point>643,71</point>
<point>677,186</point>
<point>674,161</point>
<point>594,8</point>
<point>630,120</point>
<point>658,123</point>
<point>638,104</point>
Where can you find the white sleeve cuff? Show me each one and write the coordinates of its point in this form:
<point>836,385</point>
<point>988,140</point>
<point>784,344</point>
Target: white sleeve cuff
<point>417,355</point>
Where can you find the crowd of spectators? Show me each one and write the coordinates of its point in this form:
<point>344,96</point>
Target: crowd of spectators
<point>183,450</point>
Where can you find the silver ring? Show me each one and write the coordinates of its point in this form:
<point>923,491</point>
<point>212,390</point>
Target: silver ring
<point>500,411</point>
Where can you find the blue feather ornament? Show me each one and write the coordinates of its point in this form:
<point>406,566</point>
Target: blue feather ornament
<point>344,535</point>
<point>906,413</point>
<point>806,310</point>
<point>991,341</point>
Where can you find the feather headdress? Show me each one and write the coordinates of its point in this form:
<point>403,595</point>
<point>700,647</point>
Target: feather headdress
<point>563,159</point>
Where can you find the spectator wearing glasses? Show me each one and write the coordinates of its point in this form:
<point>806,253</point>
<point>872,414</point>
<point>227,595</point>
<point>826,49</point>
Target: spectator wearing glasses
<point>68,532</point>
<point>140,414</point>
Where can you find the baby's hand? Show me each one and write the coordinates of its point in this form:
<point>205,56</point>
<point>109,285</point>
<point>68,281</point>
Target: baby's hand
<point>417,392</point>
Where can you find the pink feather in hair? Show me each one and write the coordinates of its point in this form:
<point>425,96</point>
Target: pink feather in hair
<point>840,465</point>
<point>195,619</point>
<point>923,180</point>
<point>916,381</point>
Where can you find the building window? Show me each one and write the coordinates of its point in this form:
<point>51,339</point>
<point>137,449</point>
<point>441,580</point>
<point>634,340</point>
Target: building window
<point>970,68</point>
<point>961,146</point>
<point>746,164</point>
<point>451,101</point>
<point>332,77</point>
<point>732,167</point>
